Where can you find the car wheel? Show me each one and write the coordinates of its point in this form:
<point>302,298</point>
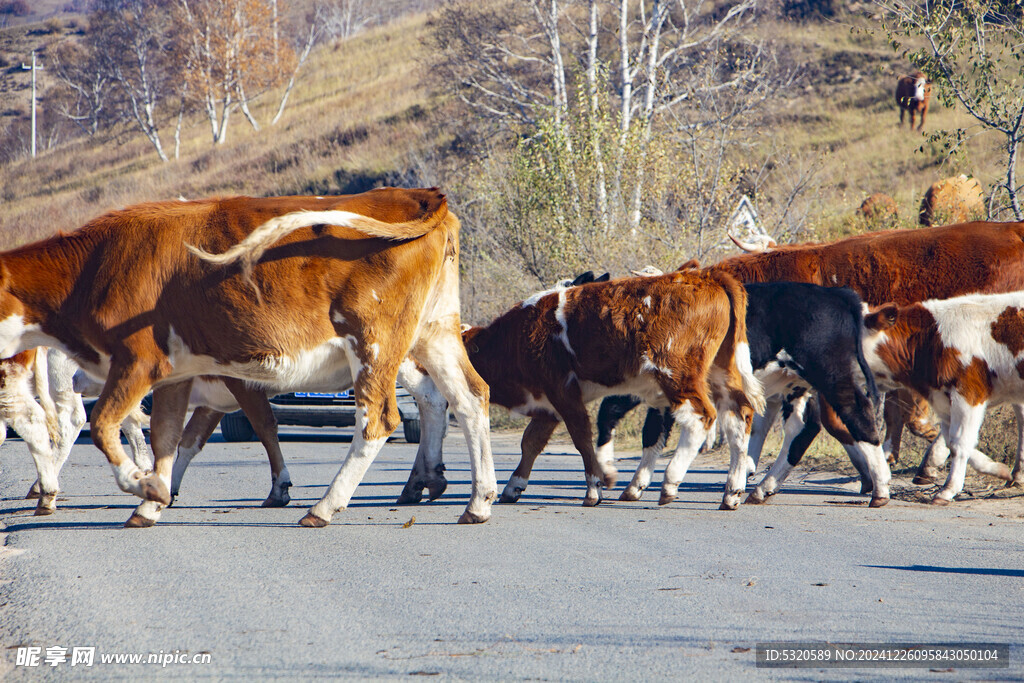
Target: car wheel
<point>411,429</point>
<point>235,427</point>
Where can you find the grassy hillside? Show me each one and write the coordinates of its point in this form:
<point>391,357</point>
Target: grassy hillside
<point>353,117</point>
<point>363,107</point>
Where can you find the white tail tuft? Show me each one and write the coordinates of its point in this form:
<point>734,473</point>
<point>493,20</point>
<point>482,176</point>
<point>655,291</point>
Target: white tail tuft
<point>752,386</point>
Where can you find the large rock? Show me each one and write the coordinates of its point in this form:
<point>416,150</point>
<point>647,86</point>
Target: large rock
<point>952,200</point>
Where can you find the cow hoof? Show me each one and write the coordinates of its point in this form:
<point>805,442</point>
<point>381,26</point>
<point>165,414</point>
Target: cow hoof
<point>1013,484</point>
<point>666,498</point>
<point>435,490</point>
<point>154,489</point>
<point>510,496</point>
<point>42,511</point>
<point>941,502</point>
<point>411,494</point>
<point>272,502</point>
<point>631,494</point>
<point>728,506</point>
<point>591,502</point>
<point>878,502</point>
<point>922,480</point>
<point>137,521</point>
<point>312,521</point>
<point>33,492</point>
<point>471,518</point>
<point>756,498</point>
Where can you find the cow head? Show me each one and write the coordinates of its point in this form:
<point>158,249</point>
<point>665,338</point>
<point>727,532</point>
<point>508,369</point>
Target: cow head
<point>881,318</point>
<point>878,326</point>
<point>919,84</point>
<point>583,279</point>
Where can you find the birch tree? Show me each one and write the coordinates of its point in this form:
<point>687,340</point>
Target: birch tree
<point>598,95</point>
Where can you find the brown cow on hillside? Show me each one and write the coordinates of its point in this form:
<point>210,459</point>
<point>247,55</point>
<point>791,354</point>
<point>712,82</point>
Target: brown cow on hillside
<point>676,341</point>
<point>912,95</point>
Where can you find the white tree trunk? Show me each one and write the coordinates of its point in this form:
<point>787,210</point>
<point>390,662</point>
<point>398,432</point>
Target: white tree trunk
<point>601,189</point>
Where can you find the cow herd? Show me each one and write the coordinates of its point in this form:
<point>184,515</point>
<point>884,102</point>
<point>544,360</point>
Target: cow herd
<point>217,304</point>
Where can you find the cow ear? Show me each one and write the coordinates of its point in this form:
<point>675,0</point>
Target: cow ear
<point>691,264</point>
<point>882,318</point>
<point>604,278</point>
<point>583,278</point>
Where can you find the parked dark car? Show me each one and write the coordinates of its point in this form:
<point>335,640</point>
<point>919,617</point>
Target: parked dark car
<point>312,409</point>
<point>307,409</point>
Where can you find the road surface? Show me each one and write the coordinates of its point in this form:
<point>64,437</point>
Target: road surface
<point>545,590</point>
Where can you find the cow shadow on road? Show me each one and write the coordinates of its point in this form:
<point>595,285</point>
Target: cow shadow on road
<point>977,571</point>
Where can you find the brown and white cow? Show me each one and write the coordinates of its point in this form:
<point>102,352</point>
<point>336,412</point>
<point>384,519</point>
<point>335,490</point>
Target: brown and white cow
<point>308,291</point>
<point>912,95</point>
<point>901,266</point>
<point>964,354</point>
<point>677,341</point>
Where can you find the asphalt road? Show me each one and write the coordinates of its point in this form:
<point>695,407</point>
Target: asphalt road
<point>545,590</point>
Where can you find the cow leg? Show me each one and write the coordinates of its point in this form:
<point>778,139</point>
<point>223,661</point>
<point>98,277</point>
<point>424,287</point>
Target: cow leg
<point>21,411</point>
<point>256,406</point>
<point>132,430</point>
<point>442,353</point>
<point>428,468</point>
<point>611,412</point>
<point>902,112</point>
<point>759,429</point>
<point>1017,476</point>
<point>535,437</point>
<point>376,417</point>
<point>930,469</point>
<point>986,465</point>
<point>657,426</point>
<point>962,428</point>
<point>170,403</point>
<point>197,432</point>
<point>126,386</point>
<point>71,418</point>
<point>577,422</point>
<point>893,414</point>
<point>800,427</point>
<point>694,415</point>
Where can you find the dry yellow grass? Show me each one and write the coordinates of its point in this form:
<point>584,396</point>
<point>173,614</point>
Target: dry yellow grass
<point>356,112</point>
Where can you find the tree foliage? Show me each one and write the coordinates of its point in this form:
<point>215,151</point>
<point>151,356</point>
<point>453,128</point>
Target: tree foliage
<point>626,120</point>
<point>973,51</point>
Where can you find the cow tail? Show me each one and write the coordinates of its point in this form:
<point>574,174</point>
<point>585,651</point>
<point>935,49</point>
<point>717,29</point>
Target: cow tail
<point>857,315</point>
<point>41,378</point>
<point>752,387</point>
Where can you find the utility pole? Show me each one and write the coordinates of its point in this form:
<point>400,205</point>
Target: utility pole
<point>34,68</point>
